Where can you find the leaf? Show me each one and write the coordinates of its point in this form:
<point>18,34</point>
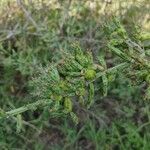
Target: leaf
<point>19,123</point>
<point>102,61</point>
<point>54,74</point>
<point>119,53</point>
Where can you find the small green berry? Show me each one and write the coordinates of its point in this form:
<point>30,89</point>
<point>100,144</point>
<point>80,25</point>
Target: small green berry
<point>90,74</point>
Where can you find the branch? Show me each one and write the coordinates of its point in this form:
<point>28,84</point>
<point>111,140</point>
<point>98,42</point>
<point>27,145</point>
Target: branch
<point>113,69</point>
<point>28,15</point>
<point>31,106</point>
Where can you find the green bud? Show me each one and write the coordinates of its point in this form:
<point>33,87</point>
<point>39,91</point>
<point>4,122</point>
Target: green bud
<point>90,74</point>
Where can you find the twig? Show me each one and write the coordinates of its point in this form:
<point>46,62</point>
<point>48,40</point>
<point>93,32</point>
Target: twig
<point>31,106</point>
<point>10,33</point>
<point>120,66</point>
<point>65,17</point>
<point>28,15</point>
<point>42,103</point>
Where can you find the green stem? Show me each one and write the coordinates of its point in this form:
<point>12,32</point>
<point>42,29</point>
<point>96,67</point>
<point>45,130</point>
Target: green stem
<point>113,69</point>
<point>42,103</point>
<point>130,58</point>
<point>31,106</point>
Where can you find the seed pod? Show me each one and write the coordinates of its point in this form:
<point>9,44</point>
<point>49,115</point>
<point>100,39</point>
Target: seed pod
<point>74,117</point>
<point>68,104</point>
<point>90,74</point>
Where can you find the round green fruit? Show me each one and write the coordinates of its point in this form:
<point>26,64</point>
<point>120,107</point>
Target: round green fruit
<point>90,74</point>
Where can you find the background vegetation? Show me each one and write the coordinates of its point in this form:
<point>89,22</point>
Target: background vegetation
<point>32,33</point>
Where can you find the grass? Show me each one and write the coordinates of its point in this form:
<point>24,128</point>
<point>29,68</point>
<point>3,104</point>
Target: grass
<point>32,36</point>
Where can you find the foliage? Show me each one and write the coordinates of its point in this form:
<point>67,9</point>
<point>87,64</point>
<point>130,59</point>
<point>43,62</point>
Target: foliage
<point>57,93</point>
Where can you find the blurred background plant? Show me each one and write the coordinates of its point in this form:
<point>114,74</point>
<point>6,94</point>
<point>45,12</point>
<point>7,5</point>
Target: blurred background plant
<point>33,33</point>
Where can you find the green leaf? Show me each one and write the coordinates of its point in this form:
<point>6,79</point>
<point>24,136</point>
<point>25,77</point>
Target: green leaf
<point>102,61</point>
<point>19,123</point>
<point>119,53</point>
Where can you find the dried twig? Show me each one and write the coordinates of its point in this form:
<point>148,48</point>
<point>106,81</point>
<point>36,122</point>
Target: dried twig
<point>28,15</point>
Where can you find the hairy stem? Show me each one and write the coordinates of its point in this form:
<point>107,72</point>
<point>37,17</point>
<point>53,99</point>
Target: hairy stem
<point>31,106</point>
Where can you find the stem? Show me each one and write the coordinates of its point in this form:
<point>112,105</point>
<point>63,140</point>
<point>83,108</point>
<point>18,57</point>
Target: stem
<point>120,66</point>
<point>31,106</point>
<point>130,58</point>
<point>42,103</point>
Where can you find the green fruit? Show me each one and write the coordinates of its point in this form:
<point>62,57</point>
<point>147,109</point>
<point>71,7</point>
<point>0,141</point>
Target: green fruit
<point>68,104</point>
<point>90,74</point>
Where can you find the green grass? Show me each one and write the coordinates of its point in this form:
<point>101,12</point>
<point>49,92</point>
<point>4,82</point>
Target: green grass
<point>28,42</point>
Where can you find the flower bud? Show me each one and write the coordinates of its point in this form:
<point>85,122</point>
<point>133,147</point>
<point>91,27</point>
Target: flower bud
<point>90,74</point>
